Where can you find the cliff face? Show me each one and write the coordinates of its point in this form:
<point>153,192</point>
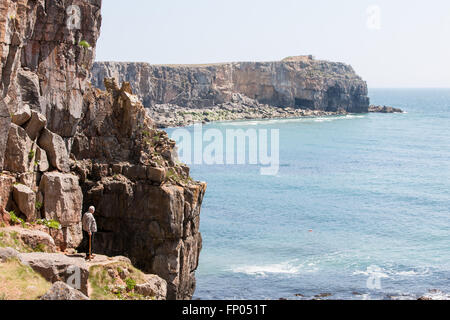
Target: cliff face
<point>297,82</point>
<point>65,146</point>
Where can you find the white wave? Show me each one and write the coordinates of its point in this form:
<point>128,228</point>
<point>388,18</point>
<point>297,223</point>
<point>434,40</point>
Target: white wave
<point>387,273</point>
<point>289,120</point>
<point>412,273</point>
<point>288,268</point>
<point>437,295</point>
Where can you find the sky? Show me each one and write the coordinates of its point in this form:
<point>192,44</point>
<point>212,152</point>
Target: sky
<point>391,44</point>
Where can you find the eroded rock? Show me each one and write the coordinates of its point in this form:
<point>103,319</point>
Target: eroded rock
<point>19,154</point>
<point>56,150</point>
<point>63,201</point>
<point>21,116</point>
<point>25,199</point>
<point>35,125</point>
<point>57,267</point>
<point>154,287</point>
<point>61,291</point>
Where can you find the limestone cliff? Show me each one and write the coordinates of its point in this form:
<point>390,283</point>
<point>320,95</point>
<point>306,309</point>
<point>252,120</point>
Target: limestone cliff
<point>65,145</point>
<point>296,82</point>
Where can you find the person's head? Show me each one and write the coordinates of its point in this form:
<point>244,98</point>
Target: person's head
<point>92,209</point>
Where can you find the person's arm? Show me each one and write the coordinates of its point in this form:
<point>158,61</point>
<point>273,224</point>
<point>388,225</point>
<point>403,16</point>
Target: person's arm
<point>93,225</point>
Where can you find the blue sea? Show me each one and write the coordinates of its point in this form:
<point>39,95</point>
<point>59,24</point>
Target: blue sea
<point>360,208</point>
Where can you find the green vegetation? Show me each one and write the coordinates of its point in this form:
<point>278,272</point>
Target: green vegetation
<point>106,283</point>
<point>175,177</point>
<point>12,240</point>
<point>19,282</point>
<point>52,224</point>
<point>15,219</point>
<point>84,44</point>
<point>31,154</point>
<point>38,205</point>
<point>131,283</point>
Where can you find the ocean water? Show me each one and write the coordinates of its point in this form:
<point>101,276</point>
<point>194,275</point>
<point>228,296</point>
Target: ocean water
<point>360,208</point>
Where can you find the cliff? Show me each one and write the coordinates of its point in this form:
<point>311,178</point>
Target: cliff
<point>297,82</point>
<point>65,145</point>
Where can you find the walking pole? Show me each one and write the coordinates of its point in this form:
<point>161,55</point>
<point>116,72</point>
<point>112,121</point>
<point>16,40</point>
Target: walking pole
<point>90,249</point>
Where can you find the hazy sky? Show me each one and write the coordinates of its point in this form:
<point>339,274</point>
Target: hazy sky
<point>389,43</point>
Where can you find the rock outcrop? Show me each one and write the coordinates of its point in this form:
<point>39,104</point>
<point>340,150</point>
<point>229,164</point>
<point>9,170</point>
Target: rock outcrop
<point>384,109</point>
<point>63,292</point>
<point>150,216</point>
<point>71,146</point>
<point>296,82</point>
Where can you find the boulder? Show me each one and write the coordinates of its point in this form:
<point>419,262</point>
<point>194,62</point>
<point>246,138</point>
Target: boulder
<point>28,83</point>
<point>63,198</point>
<point>63,201</point>
<point>30,179</point>
<point>42,160</point>
<point>22,115</point>
<point>57,267</point>
<point>156,174</point>
<point>25,199</point>
<point>34,238</point>
<point>154,287</point>
<point>6,186</point>
<point>135,172</point>
<point>7,253</point>
<point>61,291</point>
<point>5,121</point>
<point>35,125</point>
<point>56,150</point>
<point>18,151</point>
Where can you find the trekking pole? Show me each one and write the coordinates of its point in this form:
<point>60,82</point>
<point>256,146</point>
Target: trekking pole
<point>90,249</point>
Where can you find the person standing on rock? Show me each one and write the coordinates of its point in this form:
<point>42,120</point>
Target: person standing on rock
<point>89,228</point>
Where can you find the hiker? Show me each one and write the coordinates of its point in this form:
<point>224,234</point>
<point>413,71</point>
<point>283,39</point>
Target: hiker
<point>89,228</point>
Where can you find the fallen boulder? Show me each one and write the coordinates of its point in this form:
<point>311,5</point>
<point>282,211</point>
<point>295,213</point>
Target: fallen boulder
<point>6,186</point>
<point>18,150</point>
<point>37,240</point>
<point>22,115</point>
<point>42,160</point>
<point>61,291</point>
<point>63,201</point>
<point>56,150</point>
<point>154,287</point>
<point>57,267</point>
<point>35,125</point>
<point>25,199</point>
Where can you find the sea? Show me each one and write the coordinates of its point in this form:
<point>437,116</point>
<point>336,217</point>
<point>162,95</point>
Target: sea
<point>359,209</point>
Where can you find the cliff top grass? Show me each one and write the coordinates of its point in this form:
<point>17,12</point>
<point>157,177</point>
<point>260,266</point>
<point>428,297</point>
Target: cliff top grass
<point>12,239</point>
<point>107,284</point>
<point>19,282</point>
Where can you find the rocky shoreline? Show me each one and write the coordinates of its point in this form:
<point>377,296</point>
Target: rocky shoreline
<point>170,116</point>
<point>384,109</point>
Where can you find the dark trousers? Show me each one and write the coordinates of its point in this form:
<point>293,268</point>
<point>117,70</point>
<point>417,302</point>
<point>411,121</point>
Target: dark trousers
<point>86,236</point>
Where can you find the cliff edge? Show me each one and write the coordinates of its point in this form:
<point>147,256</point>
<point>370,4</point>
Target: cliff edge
<point>296,82</point>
